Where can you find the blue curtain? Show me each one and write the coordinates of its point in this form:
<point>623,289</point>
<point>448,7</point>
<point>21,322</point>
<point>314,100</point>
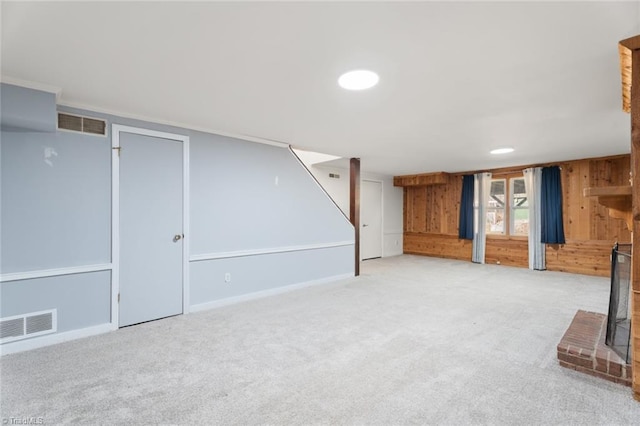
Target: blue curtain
<point>465,227</point>
<point>551,205</point>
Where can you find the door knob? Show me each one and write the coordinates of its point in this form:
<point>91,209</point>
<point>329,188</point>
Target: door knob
<point>177,238</point>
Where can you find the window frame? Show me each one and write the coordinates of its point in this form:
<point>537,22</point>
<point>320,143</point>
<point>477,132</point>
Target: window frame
<point>509,209</point>
<point>504,209</point>
<point>513,207</point>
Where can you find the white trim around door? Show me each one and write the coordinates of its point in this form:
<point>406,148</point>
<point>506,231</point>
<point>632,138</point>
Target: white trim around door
<point>116,129</point>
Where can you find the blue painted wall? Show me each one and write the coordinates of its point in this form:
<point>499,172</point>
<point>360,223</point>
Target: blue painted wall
<point>244,196</point>
<point>56,200</point>
<point>27,110</point>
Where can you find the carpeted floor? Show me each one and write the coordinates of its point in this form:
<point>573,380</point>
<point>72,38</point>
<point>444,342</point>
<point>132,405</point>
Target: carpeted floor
<point>414,340</point>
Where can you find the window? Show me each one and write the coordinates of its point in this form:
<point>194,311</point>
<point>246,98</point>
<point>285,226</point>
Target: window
<point>496,207</point>
<point>508,208</point>
<point>519,208</point>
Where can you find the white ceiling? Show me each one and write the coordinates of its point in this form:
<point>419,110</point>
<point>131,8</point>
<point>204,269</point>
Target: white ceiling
<point>456,79</point>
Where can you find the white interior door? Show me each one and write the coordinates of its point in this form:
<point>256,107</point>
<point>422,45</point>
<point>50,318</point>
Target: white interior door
<point>370,219</point>
<point>150,228</point>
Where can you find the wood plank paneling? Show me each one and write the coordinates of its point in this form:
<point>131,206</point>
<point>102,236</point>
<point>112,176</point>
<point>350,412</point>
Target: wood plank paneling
<point>407,209</point>
<point>451,194</point>
<point>432,212</point>
<point>634,45</point>
<point>508,252</point>
<point>437,245</point>
<point>442,207</point>
<point>577,208</point>
<point>580,257</point>
<point>432,224</point>
<point>606,173</point>
<point>423,179</point>
<point>420,209</point>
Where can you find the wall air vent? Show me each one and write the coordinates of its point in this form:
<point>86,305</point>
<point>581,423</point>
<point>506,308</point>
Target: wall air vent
<point>24,326</point>
<point>77,123</point>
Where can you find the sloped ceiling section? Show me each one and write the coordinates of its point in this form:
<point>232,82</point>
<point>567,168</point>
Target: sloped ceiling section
<point>456,79</point>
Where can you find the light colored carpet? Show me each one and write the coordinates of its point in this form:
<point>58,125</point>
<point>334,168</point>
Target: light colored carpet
<point>414,340</point>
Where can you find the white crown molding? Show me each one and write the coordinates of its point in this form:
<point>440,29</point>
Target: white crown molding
<point>58,92</point>
<point>177,124</point>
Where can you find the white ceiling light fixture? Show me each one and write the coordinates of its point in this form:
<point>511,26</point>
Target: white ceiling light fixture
<point>499,151</point>
<point>358,80</point>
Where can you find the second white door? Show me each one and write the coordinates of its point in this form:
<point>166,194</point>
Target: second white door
<point>370,219</point>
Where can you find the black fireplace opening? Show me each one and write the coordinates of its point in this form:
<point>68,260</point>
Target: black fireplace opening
<point>618,335</point>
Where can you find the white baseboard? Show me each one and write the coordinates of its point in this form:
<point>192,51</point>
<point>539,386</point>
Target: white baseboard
<point>264,293</point>
<point>52,339</point>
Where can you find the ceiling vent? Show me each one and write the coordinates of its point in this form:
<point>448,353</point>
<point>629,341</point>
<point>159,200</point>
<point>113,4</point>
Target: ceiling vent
<point>77,123</point>
<point>28,325</point>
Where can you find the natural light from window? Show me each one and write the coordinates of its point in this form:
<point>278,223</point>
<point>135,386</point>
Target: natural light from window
<point>508,208</point>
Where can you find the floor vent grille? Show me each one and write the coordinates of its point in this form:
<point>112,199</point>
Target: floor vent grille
<point>24,326</point>
<point>77,123</point>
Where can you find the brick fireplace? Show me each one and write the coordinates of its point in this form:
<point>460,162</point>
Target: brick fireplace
<point>583,349</point>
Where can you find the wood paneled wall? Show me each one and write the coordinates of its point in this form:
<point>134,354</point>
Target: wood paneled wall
<point>431,220</point>
<point>433,209</point>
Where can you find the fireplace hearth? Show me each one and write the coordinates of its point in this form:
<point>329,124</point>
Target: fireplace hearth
<point>583,349</point>
<point>598,344</point>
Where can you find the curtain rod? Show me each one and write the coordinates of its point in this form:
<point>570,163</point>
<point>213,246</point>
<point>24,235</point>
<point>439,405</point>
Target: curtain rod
<point>511,172</point>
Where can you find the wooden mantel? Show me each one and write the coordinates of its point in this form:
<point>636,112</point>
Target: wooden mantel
<point>617,199</point>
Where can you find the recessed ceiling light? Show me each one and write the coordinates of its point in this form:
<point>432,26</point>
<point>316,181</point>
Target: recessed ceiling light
<point>501,151</point>
<point>358,80</point>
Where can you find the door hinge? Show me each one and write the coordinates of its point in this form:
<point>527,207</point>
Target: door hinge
<point>118,297</point>
<point>118,148</point>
